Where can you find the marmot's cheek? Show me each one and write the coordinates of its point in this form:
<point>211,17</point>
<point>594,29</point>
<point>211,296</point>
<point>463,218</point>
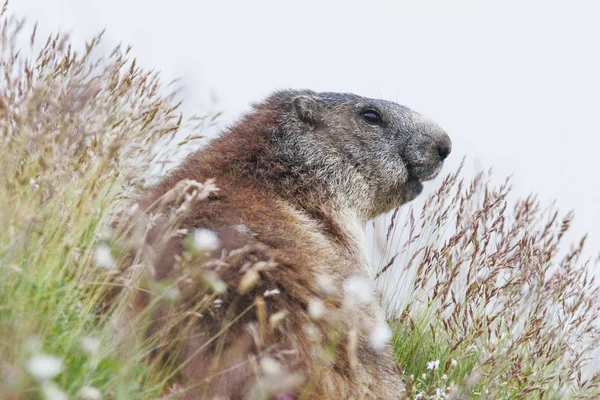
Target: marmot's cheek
<point>412,189</point>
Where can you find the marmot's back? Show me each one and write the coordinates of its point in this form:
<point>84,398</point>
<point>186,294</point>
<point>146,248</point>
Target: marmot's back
<point>298,179</point>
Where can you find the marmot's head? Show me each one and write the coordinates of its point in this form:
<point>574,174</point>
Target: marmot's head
<point>376,153</point>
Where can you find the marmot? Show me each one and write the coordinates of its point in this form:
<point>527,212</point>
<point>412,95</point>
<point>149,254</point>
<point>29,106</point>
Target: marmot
<point>299,176</point>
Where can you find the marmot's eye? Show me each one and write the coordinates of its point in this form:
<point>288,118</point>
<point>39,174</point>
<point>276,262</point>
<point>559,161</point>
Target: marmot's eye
<point>372,117</point>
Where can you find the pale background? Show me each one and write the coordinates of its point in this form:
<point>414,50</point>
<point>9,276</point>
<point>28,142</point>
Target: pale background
<point>515,83</point>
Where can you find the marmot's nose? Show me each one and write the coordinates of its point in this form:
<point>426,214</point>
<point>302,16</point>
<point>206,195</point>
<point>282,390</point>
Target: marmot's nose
<point>444,146</point>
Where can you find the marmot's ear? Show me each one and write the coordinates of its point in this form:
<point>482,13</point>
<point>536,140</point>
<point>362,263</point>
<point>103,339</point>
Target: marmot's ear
<point>307,109</point>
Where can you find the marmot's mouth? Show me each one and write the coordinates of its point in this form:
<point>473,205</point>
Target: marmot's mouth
<point>425,173</point>
<point>413,188</point>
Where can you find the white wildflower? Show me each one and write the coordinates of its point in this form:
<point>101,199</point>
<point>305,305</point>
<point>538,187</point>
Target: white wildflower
<point>33,184</point>
<point>131,211</point>
<point>312,332</point>
<point>171,293</point>
<point>90,393</point>
<point>433,365</point>
<point>325,284</point>
<point>103,257</point>
<point>217,284</point>
<point>44,367</point>
<point>380,336</point>
<point>272,292</point>
<point>453,362</point>
<point>316,309</point>
<point>52,392</point>
<point>205,240</point>
<point>90,345</point>
<point>270,366</point>
<point>358,289</point>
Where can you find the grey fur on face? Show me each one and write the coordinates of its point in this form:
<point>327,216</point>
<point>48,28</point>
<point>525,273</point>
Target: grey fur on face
<point>374,154</point>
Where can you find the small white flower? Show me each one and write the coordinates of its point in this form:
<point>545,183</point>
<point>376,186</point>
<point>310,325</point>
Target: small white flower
<point>358,289</point>
<point>90,393</point>
<point>131,211</point>
<point>171,293</point>
<point>272,292</point>
<point>316,309</point>
<point>380,336</point>
<point>312,332</point>
<point>205,240</point>
<point>453,362</point>
<point>325,284</point>
<point>33,184</point>
<point>103,257</point>
<point>433,365</point>
<point>52,392</point>
<point>90,345</point>
<point>270,366</point>
<point>44,367</point>
<point>217,284</point>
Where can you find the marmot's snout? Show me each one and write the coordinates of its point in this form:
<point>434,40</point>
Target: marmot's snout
<point>429,146</point>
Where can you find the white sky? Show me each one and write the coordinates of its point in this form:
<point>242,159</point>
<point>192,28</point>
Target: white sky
<point>515,83</point>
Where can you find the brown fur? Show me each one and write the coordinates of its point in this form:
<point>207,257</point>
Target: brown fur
<point>295,224</point>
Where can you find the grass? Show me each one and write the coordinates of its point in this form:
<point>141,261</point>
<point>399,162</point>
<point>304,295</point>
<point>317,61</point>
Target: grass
<point>481,301</point>
<point>484,283</point>
<point>76,130</point>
